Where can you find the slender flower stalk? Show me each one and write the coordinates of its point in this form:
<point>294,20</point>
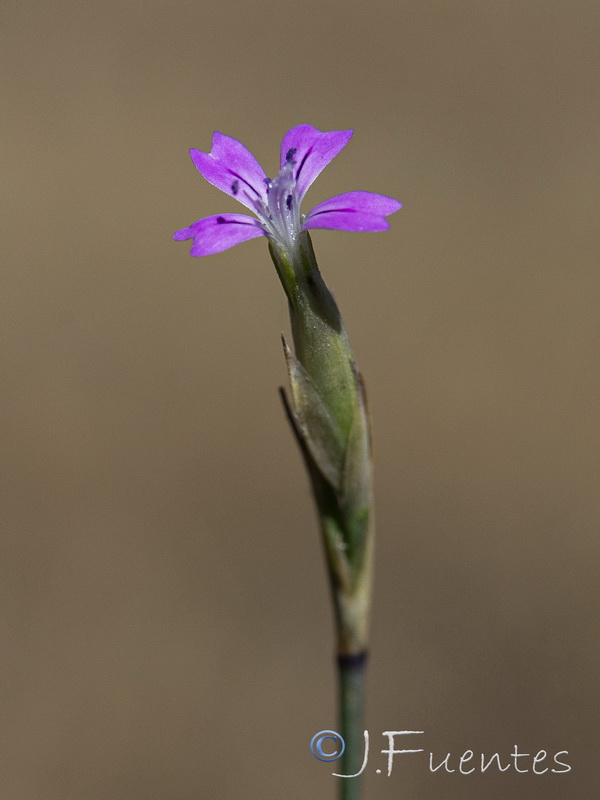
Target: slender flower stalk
<point>327,406</point>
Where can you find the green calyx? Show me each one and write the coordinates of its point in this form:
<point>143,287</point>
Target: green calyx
<point>329,415</point>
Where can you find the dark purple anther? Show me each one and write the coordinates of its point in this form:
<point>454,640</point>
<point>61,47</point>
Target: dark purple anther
<point>290,153</point>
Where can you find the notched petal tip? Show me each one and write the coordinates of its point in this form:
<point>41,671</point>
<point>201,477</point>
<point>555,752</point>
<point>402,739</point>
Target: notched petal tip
<point>182,234</point>
<point>306,134</point>
<point>232,168</point>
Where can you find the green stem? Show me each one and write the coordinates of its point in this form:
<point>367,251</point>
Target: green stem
<point>328,415</point>
<point>351,677</point>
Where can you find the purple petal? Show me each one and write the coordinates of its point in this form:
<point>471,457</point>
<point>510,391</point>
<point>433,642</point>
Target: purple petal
<point>353,211</point>
<point>232,168</point>
<point>347,221</point>
<point>219,232</point>
<point>311,150</point>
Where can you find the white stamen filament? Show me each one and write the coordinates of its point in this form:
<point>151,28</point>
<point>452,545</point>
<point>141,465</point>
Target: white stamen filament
<point>281,215</point>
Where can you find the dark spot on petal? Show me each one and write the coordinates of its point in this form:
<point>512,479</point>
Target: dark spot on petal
<point>288,201</point>
<point>235,187</point>
<point>290,153</point>
<point>221,220</point>
<point>268,184</point>
<point>243,180</point>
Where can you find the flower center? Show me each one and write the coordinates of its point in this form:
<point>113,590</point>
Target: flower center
<point>281,215</point>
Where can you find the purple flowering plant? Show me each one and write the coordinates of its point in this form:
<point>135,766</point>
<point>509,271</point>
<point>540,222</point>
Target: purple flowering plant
<point>305,151</point>
<point>327,407</point>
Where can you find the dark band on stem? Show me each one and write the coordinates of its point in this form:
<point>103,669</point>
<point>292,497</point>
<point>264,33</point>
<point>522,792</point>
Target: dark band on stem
<point>352,661</point>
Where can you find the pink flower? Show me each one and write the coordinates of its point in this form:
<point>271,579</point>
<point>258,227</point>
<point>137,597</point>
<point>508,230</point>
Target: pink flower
<point>305,152</point>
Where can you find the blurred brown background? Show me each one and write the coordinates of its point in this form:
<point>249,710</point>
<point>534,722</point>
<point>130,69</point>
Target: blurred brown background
<point>166,621</point>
